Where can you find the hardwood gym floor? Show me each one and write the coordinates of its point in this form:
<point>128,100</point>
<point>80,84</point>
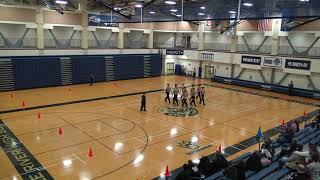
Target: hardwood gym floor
<point>127,143</point>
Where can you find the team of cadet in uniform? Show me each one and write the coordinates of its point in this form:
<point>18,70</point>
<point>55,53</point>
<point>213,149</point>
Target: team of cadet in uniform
<point>194,95</point>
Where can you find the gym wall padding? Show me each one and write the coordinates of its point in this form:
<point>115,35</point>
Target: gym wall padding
<point>129,67</point>
<point>46,71</point>
<point>156,65</point>
<point>83,66</point>
<point>34,72</point>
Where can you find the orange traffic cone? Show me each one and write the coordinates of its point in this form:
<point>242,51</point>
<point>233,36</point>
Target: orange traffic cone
<point>69,89</point>
<point>219,148</point>
<point>90,153</point>
<point>304,114</point>
<point>39,115</point>
<point>11,95</point>
<point>167,173</point>
<point>60,131</point>
<point>23,104</point>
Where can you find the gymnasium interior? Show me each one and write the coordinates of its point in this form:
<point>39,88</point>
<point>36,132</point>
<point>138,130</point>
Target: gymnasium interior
<point>159,89</point>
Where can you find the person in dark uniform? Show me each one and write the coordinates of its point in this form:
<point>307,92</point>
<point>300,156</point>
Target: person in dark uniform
<point>193,97</point>
<point>168,90</point>
<point>175,95</point>
<point>202,93</point>
<point>290,87</point>
<point>184,98</point>
<point>91,77</point>
<point>143,102</point>
<point>194,72</point>
<point>198,90</point>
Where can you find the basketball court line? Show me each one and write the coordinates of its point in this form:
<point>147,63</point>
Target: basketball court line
<point>187,133</point>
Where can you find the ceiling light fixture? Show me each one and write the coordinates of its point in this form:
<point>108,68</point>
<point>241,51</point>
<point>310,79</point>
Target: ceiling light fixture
<point>248,4</point>
<point>201,14</point>
<point>170,2</point>
<point>152,12</point>
<point>202,7</point>
<point>138,6</point>
<point>232,12</point>
<point>173,10</point>
<point>61,2</point>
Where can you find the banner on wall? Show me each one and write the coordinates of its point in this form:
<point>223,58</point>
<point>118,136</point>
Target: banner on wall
<point>252,60</point>
<point>102,20</point>
<point>298,64</point>
<point>272,62</point>
<point>174,52</point>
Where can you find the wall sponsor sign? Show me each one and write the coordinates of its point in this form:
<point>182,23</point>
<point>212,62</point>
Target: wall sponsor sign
<point>102,20</point>
<point>298,64</point>
<point>174,52</point>
<point>252,60</point>
<point>272,62</point>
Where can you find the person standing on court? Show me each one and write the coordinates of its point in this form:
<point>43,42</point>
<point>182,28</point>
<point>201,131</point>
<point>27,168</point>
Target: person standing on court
<point>290,87</point>
<point>175,95</point>
<point>168,90</point>
<point>184,98</point>
<point>202,93</point>
<point>91,78</point>
<point>198,90</point>
<point>143,102</point>
<point>193,97</point>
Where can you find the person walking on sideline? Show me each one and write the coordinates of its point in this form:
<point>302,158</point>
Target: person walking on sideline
<point>143,102</point>
<point>168,90</point>
<point>91,78</point>
<point>290,88</point>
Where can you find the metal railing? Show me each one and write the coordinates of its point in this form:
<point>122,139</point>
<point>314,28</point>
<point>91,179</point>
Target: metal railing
<point>136,44</point>
<point>217,46</point>
<point>102,44</point>
<point>170,44</point>
<point>62,43</point>
<point>16,43</point>
<point>299,51</point>
<point>254,49</point>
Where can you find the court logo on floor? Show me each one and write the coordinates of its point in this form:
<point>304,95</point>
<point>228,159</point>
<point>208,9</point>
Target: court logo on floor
<point>178,111</point>
<point>194,147</point>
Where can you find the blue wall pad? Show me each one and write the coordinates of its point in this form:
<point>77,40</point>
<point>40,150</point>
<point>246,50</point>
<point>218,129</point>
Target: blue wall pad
<point>46,71</point>
<point>129,67</point>
<point>156,65</point>
<point>83,66</point>
<point>33,72</point>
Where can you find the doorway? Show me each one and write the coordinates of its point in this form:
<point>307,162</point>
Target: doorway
<point>209,72</point>
<point>170,69</point>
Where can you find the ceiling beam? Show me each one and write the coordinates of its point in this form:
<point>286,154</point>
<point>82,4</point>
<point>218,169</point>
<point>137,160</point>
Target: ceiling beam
<point>109,6</point>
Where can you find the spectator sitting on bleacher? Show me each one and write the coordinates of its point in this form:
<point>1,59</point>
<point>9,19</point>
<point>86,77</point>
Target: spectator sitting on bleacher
<point>185,174</point>
<point>314,167</point>
<point>300,174</point>
<point>220,162</point>
<point>312,149</point>
<point>286,136</point>
<point>236,171</point>
<point>294,159</point>
<point>288,150</point>
<point>266,149</point>
<point>315,122</point>
<point>206,166</point>
<point>256,162</point>
<point>295,126</point>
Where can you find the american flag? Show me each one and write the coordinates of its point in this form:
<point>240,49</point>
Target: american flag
<point>263,25</point>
